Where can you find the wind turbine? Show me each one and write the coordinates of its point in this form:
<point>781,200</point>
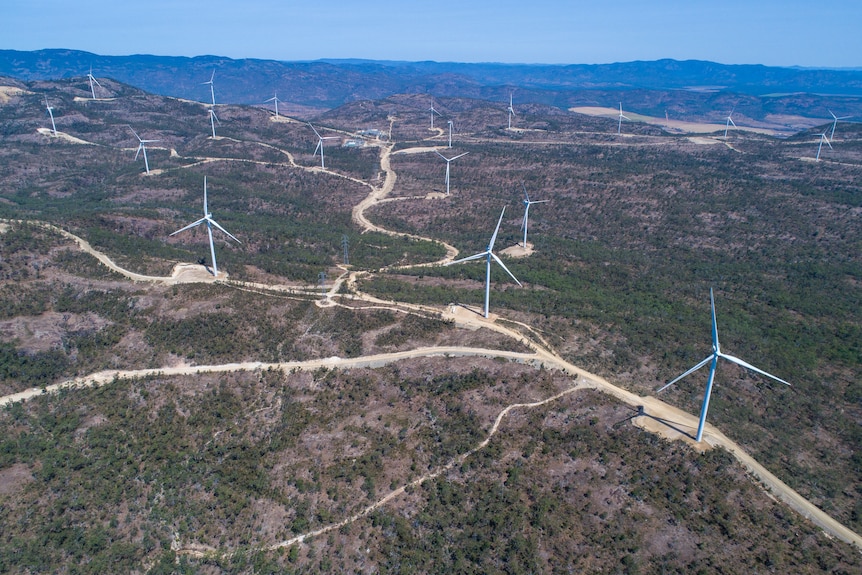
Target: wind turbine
<point>448,161</point>
<point>712,359</point>
<point>93,82</point>
<point>511,109</point>
<point>527,204</point>
<point>835,123</point>
<point>275,99</point>
<point>489,254</point>
<point>620,125</point>
<point>320,145</point>
<point>142,148</point>
<point>210,222</point>
<point>212,86</point>
<point>729,123</point>
<point>433,111</point>
<point>51,113</point>
<point>450,134</point>
<point>823,138</point>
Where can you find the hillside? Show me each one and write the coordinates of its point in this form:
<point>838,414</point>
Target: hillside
<point>692,90</point>
<point>237,470</point>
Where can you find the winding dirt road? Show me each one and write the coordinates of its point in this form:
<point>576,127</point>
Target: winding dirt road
<point>654,415</point>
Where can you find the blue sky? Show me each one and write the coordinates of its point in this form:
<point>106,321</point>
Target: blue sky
<point>772,32</point>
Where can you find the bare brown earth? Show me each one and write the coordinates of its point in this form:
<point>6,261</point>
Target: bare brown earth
<point>657,416</point>
<point>774,127</point>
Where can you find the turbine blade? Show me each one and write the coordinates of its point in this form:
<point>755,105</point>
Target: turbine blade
<point>190,226</point>
<point>526,195</point>
<point>315,131</point>
<point>715,347</point>
<point>497,229</point>
<point>690,371</point>
<point>458,156</point>
<point>468,258</point>
<point>499,261</point>
<point>746,365</point>
<point>319,145</point>
<point>206,210</point>
<point>141,145</point>
<point>216,224</point>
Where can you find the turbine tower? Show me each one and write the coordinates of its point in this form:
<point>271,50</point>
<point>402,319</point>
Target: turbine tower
<point>527,204</point>
<point>729,123</point>
<point>320,145</point>
<point>510,109</point>
<point>51,113</point>
<point>276,100</point>
<point>823,138</point>
<point>712,359</point>
<point>433,111</point>
<point>620,125</point>
<point>835,123</point>
<point>448,161</point>
<point>489,254</point>
<point>93,82</point>
<point>450,134</point>
<point>210,222</point>
<point>142,148</point>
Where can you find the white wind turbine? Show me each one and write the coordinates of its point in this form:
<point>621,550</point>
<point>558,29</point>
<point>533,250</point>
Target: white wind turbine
<point>712,359</point>
<point>433,111</point>
<point>448,161</point>
<point>93,82</point>
<point>276,100</point>
<point>823,138</point>
<point>620,125</point>
<point>511,109</point>
<point>729,123</point>
<point>142,148</point>
<point>51,113</point>
<point>210,222</point>
<point>320,145</point>
<point>489,254</point>
<point>835,123</point>
<point>450,134</point>
<point>212,87</point>
<point>527,203</point>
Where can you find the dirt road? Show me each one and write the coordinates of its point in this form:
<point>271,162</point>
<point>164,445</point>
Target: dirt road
<point>655,415</point>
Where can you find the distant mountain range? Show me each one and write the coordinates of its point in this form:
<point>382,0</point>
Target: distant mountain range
<point>696,87</point>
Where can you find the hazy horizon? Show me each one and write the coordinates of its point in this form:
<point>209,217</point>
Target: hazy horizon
<point>788,34</point>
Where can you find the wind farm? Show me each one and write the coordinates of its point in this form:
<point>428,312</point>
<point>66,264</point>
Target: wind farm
<point>295,423</point>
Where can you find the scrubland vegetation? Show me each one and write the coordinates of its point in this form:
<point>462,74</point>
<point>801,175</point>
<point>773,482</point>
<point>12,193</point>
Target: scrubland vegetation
<point>637,231</point>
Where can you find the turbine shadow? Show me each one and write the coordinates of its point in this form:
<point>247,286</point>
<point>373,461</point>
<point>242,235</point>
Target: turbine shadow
<point>676,426</point>
<point>479,312</point>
